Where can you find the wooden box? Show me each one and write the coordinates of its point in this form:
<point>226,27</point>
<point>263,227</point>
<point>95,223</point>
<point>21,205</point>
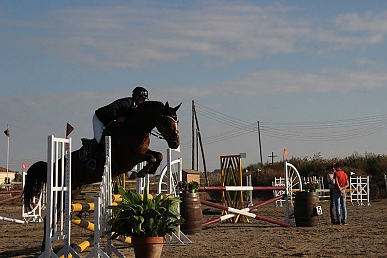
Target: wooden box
<point>191,175</point>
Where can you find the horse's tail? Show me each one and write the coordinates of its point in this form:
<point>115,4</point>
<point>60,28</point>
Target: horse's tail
<point>35,181</point>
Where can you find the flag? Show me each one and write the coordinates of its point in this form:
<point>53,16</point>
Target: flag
<point>7,132</point>
<point>286,153</point>
<point>24,165</point>
<point>69,129</point>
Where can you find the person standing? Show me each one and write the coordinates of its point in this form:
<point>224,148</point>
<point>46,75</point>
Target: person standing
<point>331,185</point>
<point>339,195</point>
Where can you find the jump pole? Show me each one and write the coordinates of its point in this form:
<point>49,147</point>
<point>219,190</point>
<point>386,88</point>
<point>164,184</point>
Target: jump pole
<point>12,220</point>
<point>240,188</point>
<point>11,198</point>
<point>250,208</point>
<point>90,226</point>
<point>245,212</point>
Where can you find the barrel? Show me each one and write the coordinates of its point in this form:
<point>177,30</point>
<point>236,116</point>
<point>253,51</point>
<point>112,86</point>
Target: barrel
<point>191,211</point>
<point>305,209</point>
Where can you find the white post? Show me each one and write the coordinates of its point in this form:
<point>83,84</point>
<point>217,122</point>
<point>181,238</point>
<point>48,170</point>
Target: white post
<point>169,173</point>
<point>287,215</point>
<point>101,213</point>
<point>58,197</point>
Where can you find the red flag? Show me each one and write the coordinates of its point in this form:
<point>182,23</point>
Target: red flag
<point>69,129</point>
<point>286,153</point>
<point>24,165</point>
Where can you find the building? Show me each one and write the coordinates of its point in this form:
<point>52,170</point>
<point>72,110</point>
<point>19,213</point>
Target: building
<point>3,175</point>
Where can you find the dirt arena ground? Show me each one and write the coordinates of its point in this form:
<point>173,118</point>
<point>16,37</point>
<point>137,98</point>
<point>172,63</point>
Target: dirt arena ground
<point>365,236</point>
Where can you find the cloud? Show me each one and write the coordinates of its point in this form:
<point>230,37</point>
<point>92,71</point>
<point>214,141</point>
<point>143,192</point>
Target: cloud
<point>137,36</point>
<point>273,82</point>
<point>368,22</point>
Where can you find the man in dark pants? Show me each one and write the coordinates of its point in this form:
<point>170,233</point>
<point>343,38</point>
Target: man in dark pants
<point>331,184</point>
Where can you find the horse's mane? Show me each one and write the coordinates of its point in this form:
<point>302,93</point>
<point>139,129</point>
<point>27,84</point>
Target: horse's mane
<point>150,104</point>
<point>143,109</point>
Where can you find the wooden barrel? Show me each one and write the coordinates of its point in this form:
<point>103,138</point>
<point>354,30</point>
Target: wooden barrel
<point>305,209</point>
<point>191,211</point>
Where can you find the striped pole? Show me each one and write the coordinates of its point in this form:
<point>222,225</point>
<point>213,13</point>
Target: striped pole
<point>11,199</point>
<point>11,191</point>
<point>81,247</point>
<point>246,212</point>
<point>82,207</point>
<point>240,188</point>
<point>90,226</point>
<point>250,208</point>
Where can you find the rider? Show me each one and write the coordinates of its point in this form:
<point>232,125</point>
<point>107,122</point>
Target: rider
<point>107,114</point>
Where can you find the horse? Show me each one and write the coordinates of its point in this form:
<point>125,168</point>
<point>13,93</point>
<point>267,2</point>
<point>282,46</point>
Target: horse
<point>129,146</point>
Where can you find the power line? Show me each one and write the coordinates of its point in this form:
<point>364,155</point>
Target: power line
<point>311,131</point>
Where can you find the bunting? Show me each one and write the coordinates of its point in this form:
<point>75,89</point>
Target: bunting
<point>69,129</point>
<point>7,132</point>
<point>286,153</point>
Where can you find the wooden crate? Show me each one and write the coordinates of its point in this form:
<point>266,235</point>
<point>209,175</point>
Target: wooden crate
<point>191,175</point>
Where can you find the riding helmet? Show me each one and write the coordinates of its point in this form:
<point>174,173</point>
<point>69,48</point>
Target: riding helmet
<point>140,91</point>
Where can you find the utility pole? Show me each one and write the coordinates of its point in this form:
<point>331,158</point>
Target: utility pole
<point>260,143</point>
<point>272,158</point>
<point>199,140</point>
<point>193,135</point>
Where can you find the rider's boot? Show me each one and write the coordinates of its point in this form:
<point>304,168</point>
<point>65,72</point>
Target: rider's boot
<point>92,162</point>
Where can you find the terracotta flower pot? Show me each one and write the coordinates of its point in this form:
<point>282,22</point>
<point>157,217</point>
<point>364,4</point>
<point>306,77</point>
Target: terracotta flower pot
<point>148,247</point>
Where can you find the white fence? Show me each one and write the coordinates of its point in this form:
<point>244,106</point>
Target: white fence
<point>359,190</point>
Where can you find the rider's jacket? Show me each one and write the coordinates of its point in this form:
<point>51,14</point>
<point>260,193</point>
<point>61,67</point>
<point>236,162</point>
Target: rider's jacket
<point>117,108</point>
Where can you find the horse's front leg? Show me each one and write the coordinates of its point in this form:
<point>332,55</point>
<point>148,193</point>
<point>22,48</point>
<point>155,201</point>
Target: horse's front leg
<point>159,157</point>
<point>153,160</point>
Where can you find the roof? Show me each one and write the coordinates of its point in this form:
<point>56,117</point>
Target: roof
<point>5,170</point>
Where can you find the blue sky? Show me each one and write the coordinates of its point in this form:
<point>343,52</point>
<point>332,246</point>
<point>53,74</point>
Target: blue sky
<point>313,73</point>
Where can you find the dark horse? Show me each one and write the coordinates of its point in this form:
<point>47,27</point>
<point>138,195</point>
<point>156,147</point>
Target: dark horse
<point>130,141</point>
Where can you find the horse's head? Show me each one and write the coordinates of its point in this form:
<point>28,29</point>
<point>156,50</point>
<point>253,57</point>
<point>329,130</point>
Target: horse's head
<point>168,126</point>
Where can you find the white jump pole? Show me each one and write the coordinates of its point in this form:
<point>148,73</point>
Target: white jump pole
<point>101,213</point>
<point>58,197</point>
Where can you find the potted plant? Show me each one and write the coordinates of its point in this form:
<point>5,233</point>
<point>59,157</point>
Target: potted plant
<point>188,187</point>
<point>145,220</point>
<point>311,186</point>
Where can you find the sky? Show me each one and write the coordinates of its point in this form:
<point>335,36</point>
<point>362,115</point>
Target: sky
<point>312,74</point>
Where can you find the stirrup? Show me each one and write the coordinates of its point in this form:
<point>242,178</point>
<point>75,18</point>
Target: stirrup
<point>91,164</point>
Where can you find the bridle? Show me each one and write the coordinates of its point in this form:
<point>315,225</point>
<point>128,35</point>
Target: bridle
<point>162,135</point>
